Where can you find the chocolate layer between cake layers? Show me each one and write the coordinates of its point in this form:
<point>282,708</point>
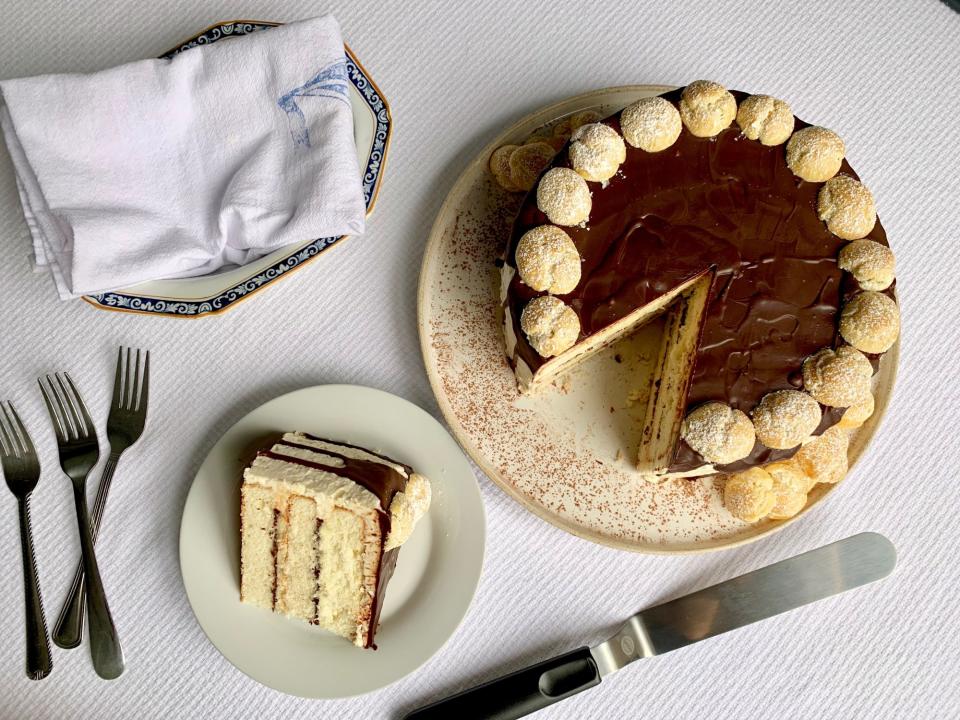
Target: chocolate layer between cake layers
<point>383,481</point>
<point>725,202</point>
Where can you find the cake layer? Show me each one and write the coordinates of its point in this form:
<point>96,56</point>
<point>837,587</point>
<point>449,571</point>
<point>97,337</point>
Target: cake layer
<point>258,545</point>
<point>724,203</point>
<point>297,557</point>
<point>348,556</point>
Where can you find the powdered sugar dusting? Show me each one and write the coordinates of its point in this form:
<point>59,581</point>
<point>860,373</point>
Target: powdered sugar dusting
<point>564,197</point>
<point>870,322</point>
<point>596,151</point>
<point>815,153</point>
<point>651,124</point>
<point>785,418</point>
<point>548,260</point>
<point>872,264</point>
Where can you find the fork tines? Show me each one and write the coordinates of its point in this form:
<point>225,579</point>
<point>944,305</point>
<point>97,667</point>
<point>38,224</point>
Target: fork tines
<point>129,392</point>
<point>14,440</point>
<point>66,408</point>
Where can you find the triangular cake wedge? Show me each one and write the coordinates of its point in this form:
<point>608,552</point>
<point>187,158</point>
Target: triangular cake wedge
<point>685,307</point>
<point>321,525</point>
<point>556,366</point>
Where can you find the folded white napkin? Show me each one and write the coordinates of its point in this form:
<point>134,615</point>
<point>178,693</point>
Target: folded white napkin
<point>174,168</point>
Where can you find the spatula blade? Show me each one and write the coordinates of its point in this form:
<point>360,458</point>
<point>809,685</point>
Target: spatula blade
<point>758,595</point>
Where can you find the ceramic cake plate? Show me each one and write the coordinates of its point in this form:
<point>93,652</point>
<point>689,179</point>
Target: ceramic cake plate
<point>215,293</point>
<point>567,453</point>
<point>437,570</point>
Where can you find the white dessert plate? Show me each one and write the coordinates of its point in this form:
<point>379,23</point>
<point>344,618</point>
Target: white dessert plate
<point>437,570</point>
<point>567,453</point>
<point>215,293</point>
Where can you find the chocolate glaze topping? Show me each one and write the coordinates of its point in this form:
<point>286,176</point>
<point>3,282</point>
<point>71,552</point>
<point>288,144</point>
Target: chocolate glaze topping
<point>729,203</point>
<point>387,458</point>
<point>388,563</point>
<point>382,481</point>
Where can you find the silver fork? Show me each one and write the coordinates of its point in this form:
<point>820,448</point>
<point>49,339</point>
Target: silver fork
<point>21,468</point>
<point>79,452</point>
<point>128,412</point>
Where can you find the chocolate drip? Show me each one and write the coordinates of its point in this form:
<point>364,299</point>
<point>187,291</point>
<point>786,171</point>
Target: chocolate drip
<point>381,480</point>
<point>727,202</point>
<point>388,563</point>
<point>363,449</point>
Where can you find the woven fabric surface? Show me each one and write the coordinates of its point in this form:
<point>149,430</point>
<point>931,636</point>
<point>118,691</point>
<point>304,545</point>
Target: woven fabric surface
<point>882,74</point>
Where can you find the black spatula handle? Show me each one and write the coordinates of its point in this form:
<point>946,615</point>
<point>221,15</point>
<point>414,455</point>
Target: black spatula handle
<point>518,694</point>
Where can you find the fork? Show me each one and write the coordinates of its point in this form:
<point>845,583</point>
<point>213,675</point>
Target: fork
<point>128,412</point>
<point>22,470</point>
<point>79,452</point>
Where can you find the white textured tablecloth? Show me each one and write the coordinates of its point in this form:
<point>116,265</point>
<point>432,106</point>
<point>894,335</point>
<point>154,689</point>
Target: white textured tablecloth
<point>883,74</point>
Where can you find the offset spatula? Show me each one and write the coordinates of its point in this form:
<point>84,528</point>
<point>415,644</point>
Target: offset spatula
<point>758,595</point>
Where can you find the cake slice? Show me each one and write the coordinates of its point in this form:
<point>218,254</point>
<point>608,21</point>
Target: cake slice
<point>322,523</point>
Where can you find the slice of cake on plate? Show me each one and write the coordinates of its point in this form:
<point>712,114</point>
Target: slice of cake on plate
<point>321,526</point>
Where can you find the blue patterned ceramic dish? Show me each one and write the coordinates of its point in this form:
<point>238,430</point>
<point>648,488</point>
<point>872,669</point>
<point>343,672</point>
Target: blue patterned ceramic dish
<point>211,294</point>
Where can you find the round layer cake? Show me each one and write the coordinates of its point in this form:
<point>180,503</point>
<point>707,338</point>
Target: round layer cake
<point>749,231</point>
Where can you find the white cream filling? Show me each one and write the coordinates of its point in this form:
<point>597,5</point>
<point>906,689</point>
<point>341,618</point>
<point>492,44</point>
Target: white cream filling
<point>506,277</point>
<point>509,335</point>
<point>309,455</point>
<point>326,488</point>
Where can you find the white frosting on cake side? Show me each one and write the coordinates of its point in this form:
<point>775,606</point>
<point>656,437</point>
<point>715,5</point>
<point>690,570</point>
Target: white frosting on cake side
<point>407,507</point>
<point>326,488</point>
<point>508,333</point>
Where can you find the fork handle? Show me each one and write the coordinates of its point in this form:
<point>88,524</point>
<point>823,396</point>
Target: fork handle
<point>39,662</point>
<point>68,631</point>
<point>105,650</point>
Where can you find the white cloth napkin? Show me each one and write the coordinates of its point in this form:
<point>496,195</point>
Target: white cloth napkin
<point>174,168</point>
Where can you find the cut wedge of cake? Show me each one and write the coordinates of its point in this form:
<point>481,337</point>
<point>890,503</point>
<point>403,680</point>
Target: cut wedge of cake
<point>749,231</point>
<point>322,523</point>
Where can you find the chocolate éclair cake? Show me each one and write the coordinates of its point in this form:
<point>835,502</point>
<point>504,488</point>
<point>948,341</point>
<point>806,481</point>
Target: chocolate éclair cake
<point>322,523</point>
<point>748,231</point>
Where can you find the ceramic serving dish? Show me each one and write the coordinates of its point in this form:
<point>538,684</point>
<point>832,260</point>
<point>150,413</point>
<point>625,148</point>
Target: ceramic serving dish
<point>215,293</point>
